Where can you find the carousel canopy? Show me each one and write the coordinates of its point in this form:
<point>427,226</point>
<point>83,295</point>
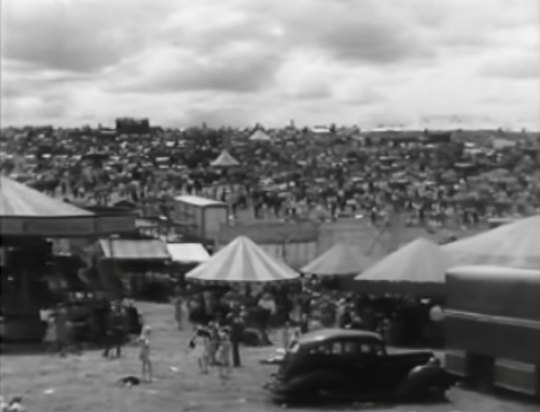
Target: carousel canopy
<point>418,267</point>
<point>260,136</point>
<point>341,259</point>
<point>515,244</point>
<point>242,261</point>
<point>28,212</point>
<point>225,159</point>
<point>18,200</point>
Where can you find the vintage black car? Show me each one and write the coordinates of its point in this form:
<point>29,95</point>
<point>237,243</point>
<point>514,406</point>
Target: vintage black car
<point>352,364</point>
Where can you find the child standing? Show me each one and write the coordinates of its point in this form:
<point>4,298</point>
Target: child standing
<point>51,335</point>
<point>144,354</point>
<point>223,353</point>
<point>214,342</point>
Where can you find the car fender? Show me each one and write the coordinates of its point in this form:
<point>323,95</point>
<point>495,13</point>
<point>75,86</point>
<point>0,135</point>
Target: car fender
<point>315,381</point>
<point>424,379</point>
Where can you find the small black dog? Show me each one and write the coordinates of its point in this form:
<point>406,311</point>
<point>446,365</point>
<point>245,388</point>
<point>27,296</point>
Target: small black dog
<point>129,381</point>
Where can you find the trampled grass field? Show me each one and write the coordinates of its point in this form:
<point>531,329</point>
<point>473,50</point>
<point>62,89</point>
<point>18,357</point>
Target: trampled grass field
<point>87,382</point>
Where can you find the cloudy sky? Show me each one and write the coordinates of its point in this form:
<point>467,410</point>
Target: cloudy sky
<point>433,63</point>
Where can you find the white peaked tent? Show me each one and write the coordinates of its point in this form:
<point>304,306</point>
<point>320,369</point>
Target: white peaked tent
<point>341,259</point>
<point>418,267</point>
<point>260,136</point>
<point>225,159</point>
<point>242,261</point>
<point>515,244</point>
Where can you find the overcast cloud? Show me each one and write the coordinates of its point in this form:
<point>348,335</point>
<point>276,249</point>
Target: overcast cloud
<point>458,63</point>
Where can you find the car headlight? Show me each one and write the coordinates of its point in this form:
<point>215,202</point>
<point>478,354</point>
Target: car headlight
<point>434,361</point>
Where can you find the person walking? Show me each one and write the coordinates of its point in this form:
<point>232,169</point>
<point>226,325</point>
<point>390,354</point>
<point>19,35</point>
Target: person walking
<point>116,329</point>
<point>179,311</point>
<point>61,318</point>
<point>237,327</point>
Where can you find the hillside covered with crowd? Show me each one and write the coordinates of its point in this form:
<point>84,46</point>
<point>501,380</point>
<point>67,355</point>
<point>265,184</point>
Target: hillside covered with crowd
<point>322,173</point>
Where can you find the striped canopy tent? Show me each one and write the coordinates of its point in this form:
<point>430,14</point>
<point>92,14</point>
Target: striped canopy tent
<point>515,244</point>
<point>242,261</point>
<point>417,268</point>
<point>27,212</point>
<point>225,159</point>
<point>260,136</point>
<point>340,260</point>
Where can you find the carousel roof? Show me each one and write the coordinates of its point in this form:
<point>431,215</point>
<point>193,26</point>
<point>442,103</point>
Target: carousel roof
<point>341,259</point>
<point>26,212</point>
<point>242,261</point>
<point>515,244</point>
<point>225,159</point>
<point>419,266</point>
<point>20,201</point>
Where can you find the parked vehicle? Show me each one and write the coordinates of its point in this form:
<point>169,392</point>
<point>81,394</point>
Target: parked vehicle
<point>355,365</point>
<point>492,327</point>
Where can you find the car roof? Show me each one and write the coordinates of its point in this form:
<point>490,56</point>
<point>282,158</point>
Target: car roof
<point>328,334</point>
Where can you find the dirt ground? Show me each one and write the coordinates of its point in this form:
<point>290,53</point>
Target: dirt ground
<point>86,382</point>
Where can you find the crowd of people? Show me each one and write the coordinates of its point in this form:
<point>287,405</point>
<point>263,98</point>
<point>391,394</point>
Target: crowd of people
<point>294,175</point>
<point>72,326</point>
<point>296,309</point>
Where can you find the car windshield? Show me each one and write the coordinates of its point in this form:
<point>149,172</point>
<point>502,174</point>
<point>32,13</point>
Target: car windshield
<point>294,347</point>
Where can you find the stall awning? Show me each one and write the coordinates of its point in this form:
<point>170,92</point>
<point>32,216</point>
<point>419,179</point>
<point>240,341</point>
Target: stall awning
<point>187,252</point>
<point>134,249</point>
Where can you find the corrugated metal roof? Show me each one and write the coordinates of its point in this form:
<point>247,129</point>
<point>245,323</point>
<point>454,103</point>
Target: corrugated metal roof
<point>134,249</point>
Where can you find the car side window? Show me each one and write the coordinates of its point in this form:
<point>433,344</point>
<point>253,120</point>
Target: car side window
<point>321,348</point>
<point>373,349</point>
<point>365,349</point>
<point>328,348</point>
<point>378,349</point>
<point>352,348</point>
<point>337,348</point>
<point>348,348</point>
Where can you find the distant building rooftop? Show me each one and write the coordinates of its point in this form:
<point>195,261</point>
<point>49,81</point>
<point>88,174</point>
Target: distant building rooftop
<point>199,201</point>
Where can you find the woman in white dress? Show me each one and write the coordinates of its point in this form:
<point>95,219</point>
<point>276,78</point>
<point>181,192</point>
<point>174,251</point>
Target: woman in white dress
<point>200,349</point>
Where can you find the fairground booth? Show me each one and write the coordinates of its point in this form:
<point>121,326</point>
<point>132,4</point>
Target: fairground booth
<point>410,284</point>
<point>235,275</point>
<point>135,267</point>
<point>43,256</point>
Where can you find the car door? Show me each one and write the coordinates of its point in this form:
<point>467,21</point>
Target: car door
<point>382,368</point>
<point>363,365</point>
